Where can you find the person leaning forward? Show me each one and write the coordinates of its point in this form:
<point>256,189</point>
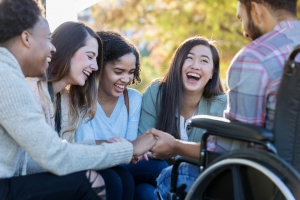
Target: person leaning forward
<point>25,50</point>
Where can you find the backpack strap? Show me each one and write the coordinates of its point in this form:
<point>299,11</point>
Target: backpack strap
<point>126,100</point>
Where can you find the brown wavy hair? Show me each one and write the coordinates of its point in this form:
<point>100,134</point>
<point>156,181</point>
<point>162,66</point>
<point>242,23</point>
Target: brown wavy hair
<point>68,38</point>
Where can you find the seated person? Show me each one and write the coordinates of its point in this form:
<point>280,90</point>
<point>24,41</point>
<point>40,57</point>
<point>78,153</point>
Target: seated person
<point>274,29</point>
<point>190,87</point>
<point>25,50</point>
<point>118,109</point>
<point>68,93</point>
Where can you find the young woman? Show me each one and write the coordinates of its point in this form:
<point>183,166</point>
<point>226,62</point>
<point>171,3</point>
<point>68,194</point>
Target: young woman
<point>190,87</point>
<point>68,93</point>
<point>118,109</point>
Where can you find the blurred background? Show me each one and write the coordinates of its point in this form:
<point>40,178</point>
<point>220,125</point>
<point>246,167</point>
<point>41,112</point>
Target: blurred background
<point>157,27</point>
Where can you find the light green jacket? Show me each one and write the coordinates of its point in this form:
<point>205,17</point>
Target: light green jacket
<point>150,110</point>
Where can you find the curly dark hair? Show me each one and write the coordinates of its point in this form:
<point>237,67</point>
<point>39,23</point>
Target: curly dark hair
<point>17,16</point>
<point>115,46</point>
<point>289,6</point>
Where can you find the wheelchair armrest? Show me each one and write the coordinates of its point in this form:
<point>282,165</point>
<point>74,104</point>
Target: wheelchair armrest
<point>232,129</point>
<point>175,170</point>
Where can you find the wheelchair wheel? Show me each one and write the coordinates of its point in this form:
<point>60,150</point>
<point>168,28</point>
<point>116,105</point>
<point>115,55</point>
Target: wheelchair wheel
<point>247,174</point>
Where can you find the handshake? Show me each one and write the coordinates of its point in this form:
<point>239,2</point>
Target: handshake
<point>162,145</point>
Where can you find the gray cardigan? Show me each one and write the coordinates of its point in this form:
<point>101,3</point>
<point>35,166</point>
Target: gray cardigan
<point>23,127</point>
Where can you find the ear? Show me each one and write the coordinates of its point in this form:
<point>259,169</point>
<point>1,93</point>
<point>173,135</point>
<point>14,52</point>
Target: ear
<point>257,12</point>
<point>25,38</point>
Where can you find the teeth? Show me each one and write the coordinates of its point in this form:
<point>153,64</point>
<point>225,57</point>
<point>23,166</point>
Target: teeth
<point>48,59</point>
<point>194,75</point>
<point>86,72</point>
<point>120,86</point>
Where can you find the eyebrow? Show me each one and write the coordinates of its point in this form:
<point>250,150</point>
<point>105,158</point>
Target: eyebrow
<point>200,55</point>
<point>91,52</point>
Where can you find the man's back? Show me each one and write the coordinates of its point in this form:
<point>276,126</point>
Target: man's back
<point>255,75</point>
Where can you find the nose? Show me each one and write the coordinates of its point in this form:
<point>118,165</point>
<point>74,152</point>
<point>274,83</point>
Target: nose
<point>94,66</point>
<point>196,64</point>
<point>246,35</point>
<point>126,79</point>
<point>53,49</point>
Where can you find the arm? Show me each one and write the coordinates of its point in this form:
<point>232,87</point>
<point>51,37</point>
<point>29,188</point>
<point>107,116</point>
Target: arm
<point>26,126</point>
<point>135,99</point>
<point>167,146</point>
<point>247,90</point>
<point>149,109</point>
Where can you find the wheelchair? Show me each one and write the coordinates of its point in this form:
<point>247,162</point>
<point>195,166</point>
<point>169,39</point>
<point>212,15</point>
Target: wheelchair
<point>250,173</point>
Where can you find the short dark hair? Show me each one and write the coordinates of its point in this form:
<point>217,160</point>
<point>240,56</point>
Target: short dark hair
<point>289,6</point>
<point>171,86</point>
<point>115,46</point>
<point>17,16</point>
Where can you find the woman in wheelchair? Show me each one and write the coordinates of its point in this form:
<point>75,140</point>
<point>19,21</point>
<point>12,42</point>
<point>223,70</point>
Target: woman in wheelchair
<point>193,85</point>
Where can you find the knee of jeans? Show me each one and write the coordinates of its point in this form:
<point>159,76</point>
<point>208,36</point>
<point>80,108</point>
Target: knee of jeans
<point>96,181</point>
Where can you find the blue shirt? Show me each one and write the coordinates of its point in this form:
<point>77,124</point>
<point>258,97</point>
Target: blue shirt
<point>119,124</point>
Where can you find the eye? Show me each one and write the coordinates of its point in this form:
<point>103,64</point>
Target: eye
<point>131,72</point>
<point>205,60</point>
<point>90,57</point>
<point>189,57</point>
<point>118,72</point>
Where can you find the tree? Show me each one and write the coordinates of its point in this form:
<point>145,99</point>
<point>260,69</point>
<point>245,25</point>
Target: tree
<point>163,24</point>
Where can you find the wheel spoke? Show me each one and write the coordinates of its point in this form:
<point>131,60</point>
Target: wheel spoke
<point>237,183</point>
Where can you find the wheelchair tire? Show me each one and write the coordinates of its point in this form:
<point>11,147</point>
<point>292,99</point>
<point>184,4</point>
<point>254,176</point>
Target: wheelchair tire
<point>247,174</point>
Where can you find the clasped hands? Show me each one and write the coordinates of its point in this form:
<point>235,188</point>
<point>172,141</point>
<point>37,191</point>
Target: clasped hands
<point>154,144</point>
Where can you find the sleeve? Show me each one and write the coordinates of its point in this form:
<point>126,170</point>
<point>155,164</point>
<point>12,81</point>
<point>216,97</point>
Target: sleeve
<point>148,111</point>
<point>34,87</point>
<point>84,132</point>
<point>27,127</point>
<point>247,85</point>
<point>135,99</point>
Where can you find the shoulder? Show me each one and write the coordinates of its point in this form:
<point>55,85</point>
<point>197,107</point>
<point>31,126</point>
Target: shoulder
<point>135,97</point>
<point>134,93</point>
<point>217,104</point>
<point>221,98</point>
<point>153,88</point>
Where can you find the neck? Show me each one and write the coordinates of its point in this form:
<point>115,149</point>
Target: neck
<point>103,98</point>
<point>58,86</point>
<point>271,21</point>
<point>190,101</point>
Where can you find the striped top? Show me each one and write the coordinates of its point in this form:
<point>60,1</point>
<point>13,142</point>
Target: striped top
<point>255,74</point>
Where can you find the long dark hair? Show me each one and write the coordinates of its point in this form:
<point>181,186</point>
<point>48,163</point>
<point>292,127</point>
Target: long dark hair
<point>171,88</point>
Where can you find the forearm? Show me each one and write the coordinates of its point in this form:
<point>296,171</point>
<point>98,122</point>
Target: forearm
<point>98,142</point>
<point>188,149</point>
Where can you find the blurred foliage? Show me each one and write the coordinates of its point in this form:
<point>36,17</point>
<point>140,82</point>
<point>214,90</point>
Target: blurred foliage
<point>159,26</point>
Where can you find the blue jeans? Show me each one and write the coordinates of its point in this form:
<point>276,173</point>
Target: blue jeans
<point>187,174</point>
<point>119,183</point>
<point>145,174</point>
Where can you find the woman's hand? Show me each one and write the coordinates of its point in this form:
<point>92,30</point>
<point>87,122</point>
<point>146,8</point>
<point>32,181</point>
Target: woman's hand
<point>116,139</point>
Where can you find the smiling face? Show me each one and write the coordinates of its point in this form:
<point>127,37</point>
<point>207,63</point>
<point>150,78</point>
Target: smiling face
<point>117,75</point>
<point>83,62</point>
<point>197,69</point>
<point>250,30</point>
<point>41,49</point>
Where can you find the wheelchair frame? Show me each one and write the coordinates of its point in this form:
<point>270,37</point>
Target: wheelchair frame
<point>289,188</point>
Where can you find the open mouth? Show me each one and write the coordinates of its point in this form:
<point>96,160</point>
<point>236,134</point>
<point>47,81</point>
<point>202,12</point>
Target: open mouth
<point>86,73</point>
<point>120,86</point>
<point>193,76</point>
<point>48,59</point>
